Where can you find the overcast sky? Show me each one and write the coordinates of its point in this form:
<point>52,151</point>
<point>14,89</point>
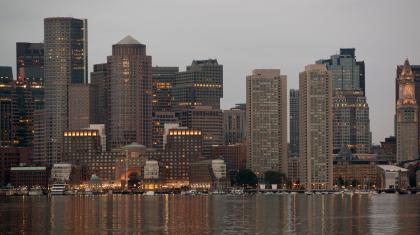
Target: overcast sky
<point>242,35</point>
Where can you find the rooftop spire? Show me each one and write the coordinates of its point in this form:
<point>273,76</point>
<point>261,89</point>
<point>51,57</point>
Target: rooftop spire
<point>406,71</point>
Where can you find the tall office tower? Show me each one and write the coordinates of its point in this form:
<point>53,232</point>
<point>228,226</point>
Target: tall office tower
<point>351,125</point>
<point>294,122</point>
<point>200,85</point>
<point>6,92</point>
<point>315,125</point>
<point>158,128</point>
<point>163,83</point>
<point>29,93</point>
<point>99,93</point>
<point>22,115</point>
<point>131,94</point>
<point>209,121</point>
<point>346,73</point>
<point>266,104</point>
<point>30,62</point>
<point>406,117</point>
<point>416,72</point>
<point>234,125</point>
<point>351,128</point>
<point>78,106</point>
<point>65,63</point>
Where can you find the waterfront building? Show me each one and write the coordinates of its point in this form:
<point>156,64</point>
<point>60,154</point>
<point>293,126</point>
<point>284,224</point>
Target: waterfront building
<point>294,121</point>
<point>200,85</point>
<point>80,146</point>
<point>184,146</point>
<point>388,149</point>
<point>130,94</point>
<point>101,131</point>
<point>234,156</point>
<point>65,63</point>
<point>208,174</point>
<point>12,157</point>
<point>391,177</point>
<point>234,125</point>
<point>68,173</point>
<point>153,175</point>
<point>416,74</point>
<point>104,165</point>
<point>406,116</point>
<point>266,103</point>
<point>206,119</point>
<point>293,169</point>
<point>315,127</point>
<point>29,176</point>
<point>30,63</point>
<point>351,123</point>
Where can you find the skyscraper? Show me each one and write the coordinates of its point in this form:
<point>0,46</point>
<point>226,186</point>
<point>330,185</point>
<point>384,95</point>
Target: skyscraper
<point>30,62</point>
<point>416,72</point>
<point>163,83</point>
<point>294,121</point>
<point>130,94</point>
<point>345,72</point>
<point>234,125</point>
<point>351,123</point>
<point>200,85</point>
<point>99,93</point>
<point>65,63</point>
<point>6,92</point>
<point>406,116</point>
<point>315,127</point>
<point>266,103</point>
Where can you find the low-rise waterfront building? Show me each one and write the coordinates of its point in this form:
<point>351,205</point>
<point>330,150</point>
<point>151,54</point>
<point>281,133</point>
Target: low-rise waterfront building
<point>391,177</point>
<point>29,176</point>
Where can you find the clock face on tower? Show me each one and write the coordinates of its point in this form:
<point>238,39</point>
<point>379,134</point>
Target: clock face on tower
<point>407,91</point>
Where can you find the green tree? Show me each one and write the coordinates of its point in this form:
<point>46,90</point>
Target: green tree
<point>274,177</point>
<point>246,178</point>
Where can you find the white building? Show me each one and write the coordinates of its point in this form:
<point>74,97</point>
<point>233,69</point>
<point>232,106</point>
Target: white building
<point>391,177</point>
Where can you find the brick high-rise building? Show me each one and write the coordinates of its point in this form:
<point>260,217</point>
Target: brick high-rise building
<point>78,106</point>
<point>209,121</point>
<point>315,127</point>
<point>130,94</point>
<point>65,63</point>
<point>266,103</point>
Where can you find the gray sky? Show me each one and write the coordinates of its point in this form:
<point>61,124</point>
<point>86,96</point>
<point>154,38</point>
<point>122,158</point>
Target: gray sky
<point>242,35</point>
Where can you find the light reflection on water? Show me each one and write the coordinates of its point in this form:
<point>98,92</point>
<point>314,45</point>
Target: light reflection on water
<point>217,214</point>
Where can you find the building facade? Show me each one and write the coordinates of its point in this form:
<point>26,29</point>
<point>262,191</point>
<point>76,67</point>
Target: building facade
<point>163,84</point>
<point>315,125</point>
<point>234,125</point>
<point>266,102</point>
<point>99,93</point>
<point>406,116</point>
<point>351,123</point>
<point>65,63</point>
<point>30,63</point>
<point>200,85</point>
<point>206,119</point>
<point>130,94</point>
<point>294,121</point>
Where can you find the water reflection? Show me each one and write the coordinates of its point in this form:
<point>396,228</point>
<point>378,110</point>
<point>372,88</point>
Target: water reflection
<point>218,214</point>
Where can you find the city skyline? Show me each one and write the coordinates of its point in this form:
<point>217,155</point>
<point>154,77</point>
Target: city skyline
<point>381,52</point>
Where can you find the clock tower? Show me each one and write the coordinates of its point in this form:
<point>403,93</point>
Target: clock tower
<point>406,118</point>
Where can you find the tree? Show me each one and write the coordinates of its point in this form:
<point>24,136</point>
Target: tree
<point>274,177</point>
<point>246,178</point>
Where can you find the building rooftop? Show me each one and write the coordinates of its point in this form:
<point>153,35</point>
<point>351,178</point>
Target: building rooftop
<point>391,168</point>
<point>128,40</point>
<point>28,168</point>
